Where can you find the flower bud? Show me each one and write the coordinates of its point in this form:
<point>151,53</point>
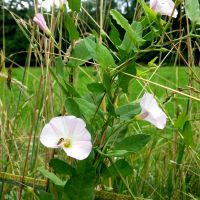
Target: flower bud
<point>40,21</point>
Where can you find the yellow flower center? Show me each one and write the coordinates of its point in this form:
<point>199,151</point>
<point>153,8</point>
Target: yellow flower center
<point>67,143</point>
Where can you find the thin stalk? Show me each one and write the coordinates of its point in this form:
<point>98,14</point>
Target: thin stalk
<point>145,169</point>
<point>176,133</point>
<point>122,178</point>
<point>84,10</point>
<point>163,86</point>
<point>190,65</point>
<point>167,25</point>
<point>48,60</point>
<point>60,33</point>
<point>101,21</point>
<point>30,136</point>
<point>29,55</point>
<point>3,63</point>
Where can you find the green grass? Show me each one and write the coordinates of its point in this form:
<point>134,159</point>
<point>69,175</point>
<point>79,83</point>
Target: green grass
<point>165,76</point>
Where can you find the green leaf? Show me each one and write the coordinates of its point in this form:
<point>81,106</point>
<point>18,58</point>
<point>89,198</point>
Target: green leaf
<point>184,126</point>
<point>45,195</point>
<point>90,46</point>
<point>193,10</point>
<point>96,87</point>
<point>51,176</point>
<point>71,90</point>
<point>107,81</point>
<point>104,57</point>
<point>151,14</point>
<point>119,131</point>
<point>71,27</point>
<point>124,79</point>
<point>181,121</point>
<point>128,111</point>
<point>61,167</point>
<point>82,52</point>
<point>116,153</point>
<point>66,87</point>
<point>114,35</point>
<point>87,108</point>
<point>134,36</point>
<point>153,21</point>
<point>110,107</point>
<point>122,165</point>
<point>58,81</point>
<point>74,5</point>
<point>72,107</point>
<point>131,144</point>
<point>81,185</point>
<point>180,153</point>
<point>127,44</point>
<point>188,134</point>
<point>151,34</point>
<point>60,66</point>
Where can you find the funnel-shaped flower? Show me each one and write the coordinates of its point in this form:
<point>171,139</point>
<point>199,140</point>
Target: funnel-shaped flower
<point>68,133</point>
<point>151,112</point>
<point>40,21</point>
<point>163,7</point>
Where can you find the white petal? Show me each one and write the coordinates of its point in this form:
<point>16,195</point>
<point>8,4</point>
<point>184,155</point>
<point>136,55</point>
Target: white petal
<point>153,4</point>
<point>68,126</point>
<point>53,132</point>
<point>79,150</point>
<point>163,7</point>
<point>58,124</point>
<point>151,112</point>
<point>172,5</point>
<point>78,126</point>
<point>82,135</point>
<point>148,102</point>
<point>49,137</point>
<point>159,122</point>
<point>72,125</point>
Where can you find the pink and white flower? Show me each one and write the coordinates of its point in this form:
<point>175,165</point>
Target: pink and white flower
<point>151,112</point>
<point>68,133</point>
<point>40,21</point>
<point>163,7</point>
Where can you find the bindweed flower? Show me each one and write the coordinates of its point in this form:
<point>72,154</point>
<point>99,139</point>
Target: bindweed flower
<point>40,21</point>
<point>68,133</point>
<point>163,7</point>
<point>151,112</point>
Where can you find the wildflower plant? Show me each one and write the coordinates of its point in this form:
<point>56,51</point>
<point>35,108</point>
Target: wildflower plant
<point>99,109</point>
<point>94,134</point>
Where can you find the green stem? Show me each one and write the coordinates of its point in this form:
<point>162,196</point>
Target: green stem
<point>60,34</point>
<point>122,178</point>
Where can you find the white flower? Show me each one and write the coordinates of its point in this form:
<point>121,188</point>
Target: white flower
<point>163,7</point>
<point>68,133</point>
<point>151,112</point>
